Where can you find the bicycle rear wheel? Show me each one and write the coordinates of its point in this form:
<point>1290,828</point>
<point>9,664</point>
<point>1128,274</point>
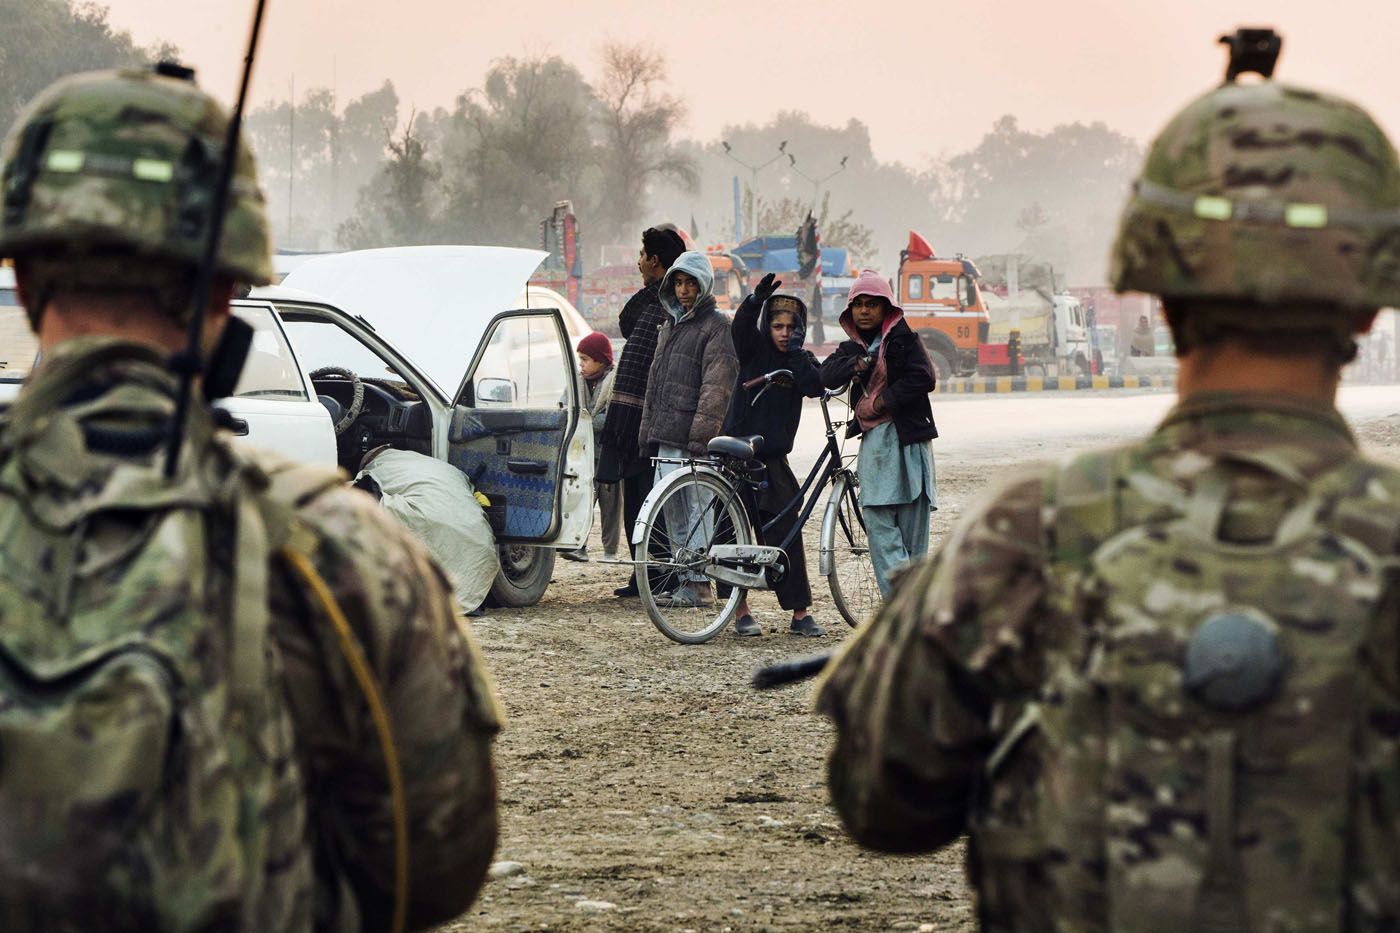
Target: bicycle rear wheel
<point>698,511</point>
<point>845,554</point>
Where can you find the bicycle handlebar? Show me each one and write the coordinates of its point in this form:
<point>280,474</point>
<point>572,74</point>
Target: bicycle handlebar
<point>777,374</point>
<point>781,376</point>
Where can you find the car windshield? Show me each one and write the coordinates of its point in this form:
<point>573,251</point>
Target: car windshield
<point>946,287</point>
<point>321,342</point>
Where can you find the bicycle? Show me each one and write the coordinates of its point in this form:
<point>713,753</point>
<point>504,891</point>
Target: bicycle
<point>720,546</point>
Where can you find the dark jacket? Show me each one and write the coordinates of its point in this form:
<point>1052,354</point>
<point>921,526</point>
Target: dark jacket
<point>640,320</point>
<point>632,311</point>
<point>909,372</point>
<point>779,409</point>
<point>694,368</point>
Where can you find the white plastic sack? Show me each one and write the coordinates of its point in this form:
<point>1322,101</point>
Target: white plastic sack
<point>434,500</point>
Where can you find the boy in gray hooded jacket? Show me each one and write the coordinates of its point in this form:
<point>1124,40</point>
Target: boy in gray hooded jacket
<point>688,390</point>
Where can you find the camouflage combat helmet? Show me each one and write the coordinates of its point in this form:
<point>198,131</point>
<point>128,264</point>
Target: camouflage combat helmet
<point>116,167</point>
<point>1266,194</point>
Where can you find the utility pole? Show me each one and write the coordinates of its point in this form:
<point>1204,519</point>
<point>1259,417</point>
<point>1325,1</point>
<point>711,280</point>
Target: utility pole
<point>818,331</point>
<point>816,182</point>
<point>335,142</point>
<point>753,180</point>
<point>291,151</point>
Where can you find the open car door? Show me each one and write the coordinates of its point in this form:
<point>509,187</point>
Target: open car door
<point>518,435</point>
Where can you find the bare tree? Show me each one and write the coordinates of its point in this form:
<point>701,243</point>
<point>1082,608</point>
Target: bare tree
<point>840,230</point>
<point>514,147</point>
<point>637,119</point>
<point>397,206</point>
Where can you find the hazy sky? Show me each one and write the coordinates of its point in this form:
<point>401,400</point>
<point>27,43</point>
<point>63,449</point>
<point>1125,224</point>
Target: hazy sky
<point>927,77</point>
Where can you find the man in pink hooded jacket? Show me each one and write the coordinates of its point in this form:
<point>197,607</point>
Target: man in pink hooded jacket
<point>891,378</point>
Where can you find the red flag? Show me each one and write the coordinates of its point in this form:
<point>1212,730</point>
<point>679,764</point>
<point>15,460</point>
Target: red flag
<point>918,247</point>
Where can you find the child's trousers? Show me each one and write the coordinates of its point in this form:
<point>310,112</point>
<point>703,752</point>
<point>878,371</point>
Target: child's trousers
<point>610,506</point>
<point>897,534</point>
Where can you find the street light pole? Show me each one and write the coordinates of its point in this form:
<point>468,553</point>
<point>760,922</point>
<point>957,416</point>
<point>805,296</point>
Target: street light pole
<point>818,331</point>
<point>816,182</point>
<point>753,180</point>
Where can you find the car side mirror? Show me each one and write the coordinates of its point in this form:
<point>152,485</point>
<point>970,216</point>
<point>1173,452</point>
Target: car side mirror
<point>495,390</point>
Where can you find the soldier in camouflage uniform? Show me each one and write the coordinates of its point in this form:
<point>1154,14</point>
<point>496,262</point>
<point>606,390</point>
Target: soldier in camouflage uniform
<point>1159,685</point>
<point>186,736</point>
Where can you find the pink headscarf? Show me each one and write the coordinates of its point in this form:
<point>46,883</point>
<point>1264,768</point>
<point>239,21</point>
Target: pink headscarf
<point>876,378</point>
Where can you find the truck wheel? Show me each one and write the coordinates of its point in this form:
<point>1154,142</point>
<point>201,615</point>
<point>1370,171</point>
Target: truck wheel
<point>942,369</point>
<point>524,575</point>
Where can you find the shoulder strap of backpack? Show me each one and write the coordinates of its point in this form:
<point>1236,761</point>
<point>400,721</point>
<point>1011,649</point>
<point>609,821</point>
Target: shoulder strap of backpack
<point>1081,501</point>
<point>1362,510</point>
<point>290,485</point>
<point>67,372</point>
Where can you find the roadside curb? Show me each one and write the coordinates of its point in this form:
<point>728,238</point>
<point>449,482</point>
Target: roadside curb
<point>978,385</point>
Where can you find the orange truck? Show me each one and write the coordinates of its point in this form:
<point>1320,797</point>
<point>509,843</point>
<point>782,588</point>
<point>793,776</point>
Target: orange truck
<point>731,283</point>
<point>943,304</point>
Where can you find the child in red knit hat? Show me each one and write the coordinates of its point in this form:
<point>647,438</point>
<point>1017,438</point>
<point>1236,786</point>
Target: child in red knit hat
<point>595,363</point>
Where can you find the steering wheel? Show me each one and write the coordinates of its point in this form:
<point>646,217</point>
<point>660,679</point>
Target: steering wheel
<point>357,394</point>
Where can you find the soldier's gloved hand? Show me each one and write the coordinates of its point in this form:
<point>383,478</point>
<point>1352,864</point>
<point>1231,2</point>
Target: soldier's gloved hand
<point>765,288</point>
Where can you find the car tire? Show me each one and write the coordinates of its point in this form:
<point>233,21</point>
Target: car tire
<point>523,577</point>
<point>942,369</point>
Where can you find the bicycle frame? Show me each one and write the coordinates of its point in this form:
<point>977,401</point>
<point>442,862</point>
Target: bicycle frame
<point>828,466</point>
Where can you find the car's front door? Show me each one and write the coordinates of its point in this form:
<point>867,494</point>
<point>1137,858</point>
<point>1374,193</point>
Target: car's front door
<point>518,435</point>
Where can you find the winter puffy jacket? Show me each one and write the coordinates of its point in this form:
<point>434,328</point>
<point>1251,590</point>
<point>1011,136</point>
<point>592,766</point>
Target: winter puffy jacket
<point>694,367</point>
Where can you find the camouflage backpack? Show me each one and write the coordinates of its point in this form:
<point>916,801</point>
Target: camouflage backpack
<point>1214,747</point>
<point>147,770</point>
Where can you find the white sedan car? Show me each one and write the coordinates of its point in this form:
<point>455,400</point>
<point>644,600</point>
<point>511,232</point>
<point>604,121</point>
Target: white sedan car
<point>274,405</point>
<point>418,334</point>
<point>411,347</point>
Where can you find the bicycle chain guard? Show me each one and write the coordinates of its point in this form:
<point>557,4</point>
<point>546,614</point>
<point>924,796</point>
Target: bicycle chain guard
<point>725,558</point>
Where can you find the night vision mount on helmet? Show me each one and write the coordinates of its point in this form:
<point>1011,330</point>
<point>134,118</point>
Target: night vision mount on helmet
<point>1266,194</point>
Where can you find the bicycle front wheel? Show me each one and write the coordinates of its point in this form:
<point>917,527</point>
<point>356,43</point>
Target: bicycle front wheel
<point>845,554</point>
<point>684,603</point>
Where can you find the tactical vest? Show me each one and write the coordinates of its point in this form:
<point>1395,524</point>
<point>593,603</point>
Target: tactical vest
<point>147,771</point>
<point>1215,743</point>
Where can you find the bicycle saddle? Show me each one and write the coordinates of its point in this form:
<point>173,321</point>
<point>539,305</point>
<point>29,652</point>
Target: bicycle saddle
<point>745,448</point>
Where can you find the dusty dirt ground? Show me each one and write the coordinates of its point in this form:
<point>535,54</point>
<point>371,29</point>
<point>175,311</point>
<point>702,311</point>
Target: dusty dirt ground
<point>645,787</point>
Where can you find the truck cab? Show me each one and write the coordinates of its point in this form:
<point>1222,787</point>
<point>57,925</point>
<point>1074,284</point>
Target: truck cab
<point>1052,337</point>
<point>943,304</point>
<point>1072,353</point>
<point>731,283</point>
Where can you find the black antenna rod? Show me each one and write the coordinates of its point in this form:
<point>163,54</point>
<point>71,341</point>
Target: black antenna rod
<point>788,672</point>
<point>190,362</point>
